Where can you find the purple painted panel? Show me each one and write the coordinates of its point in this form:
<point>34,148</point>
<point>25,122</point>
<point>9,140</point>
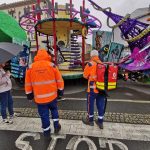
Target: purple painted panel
<point>139,60</point>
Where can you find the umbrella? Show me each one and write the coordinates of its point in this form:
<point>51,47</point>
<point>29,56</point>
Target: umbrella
<point>10,30</point>
<point>8,50</point>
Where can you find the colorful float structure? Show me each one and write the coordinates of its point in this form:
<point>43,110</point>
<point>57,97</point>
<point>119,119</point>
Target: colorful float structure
<point>60,26</point>
<point>136,33</point>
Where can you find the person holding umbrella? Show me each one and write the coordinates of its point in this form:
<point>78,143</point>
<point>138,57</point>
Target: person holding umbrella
<point>7,51</point>
<point>5,95</point>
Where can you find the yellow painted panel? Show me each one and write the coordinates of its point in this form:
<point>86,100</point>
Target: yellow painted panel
<point>62,35</point>
<point>62,14</point>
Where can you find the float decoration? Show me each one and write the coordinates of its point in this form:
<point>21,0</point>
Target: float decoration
<point>137,35</point>
<point>64,24</point>
<point>133,31</point>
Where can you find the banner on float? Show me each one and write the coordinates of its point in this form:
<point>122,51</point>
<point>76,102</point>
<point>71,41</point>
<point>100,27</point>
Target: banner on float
<point>115,51</point>
<point>101,38</point>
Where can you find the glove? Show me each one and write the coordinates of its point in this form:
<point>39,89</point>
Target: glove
<point>30,96</point>
<point>60,93</point>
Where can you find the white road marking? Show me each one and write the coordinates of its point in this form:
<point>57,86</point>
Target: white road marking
<point>121,145</point>
<point>76,127</point>
<point>128,94</point>
<point>83,99</point>
<point>20,97</point>
<point>89,142</point>
<point>129,101</point>
<point>146,91</point>
<point>54,141</point>
<point>72,144</point>
<point>25,145</point>
<point>103,142</point>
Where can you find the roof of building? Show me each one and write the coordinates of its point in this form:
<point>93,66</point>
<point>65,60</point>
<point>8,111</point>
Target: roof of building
<point>17,4</point>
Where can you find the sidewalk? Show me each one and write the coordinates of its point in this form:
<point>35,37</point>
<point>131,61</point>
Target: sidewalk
<point>74,127</point>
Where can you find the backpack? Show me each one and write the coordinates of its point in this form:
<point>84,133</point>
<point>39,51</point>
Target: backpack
<point>106,77</point>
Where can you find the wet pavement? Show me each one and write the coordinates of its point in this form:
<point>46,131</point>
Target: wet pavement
<point>64,142</point>
<point>126,126</point>
<point>26,134</point>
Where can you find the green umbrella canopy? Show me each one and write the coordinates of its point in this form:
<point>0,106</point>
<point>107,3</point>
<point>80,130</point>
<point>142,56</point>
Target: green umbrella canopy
<point>10,30</point>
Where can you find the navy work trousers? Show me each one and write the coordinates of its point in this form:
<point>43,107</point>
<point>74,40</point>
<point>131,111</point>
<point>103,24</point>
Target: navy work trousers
<point>43,110</point>
<point>100,103</point>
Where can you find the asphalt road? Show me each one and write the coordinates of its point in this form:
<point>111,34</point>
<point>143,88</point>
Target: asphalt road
<point>43,144</point>
<point>125,99</point>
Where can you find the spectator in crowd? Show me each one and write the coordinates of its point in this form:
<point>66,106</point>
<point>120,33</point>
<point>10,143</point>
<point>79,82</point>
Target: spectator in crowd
<point>5,95</point>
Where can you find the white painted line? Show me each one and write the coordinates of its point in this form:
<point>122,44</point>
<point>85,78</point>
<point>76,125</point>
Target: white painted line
<point>113,100</point>
<point>19,97</point>
<point>146,91</point>
<point>76,127</point>
<point>78,99</point>
<point>129,101</point>
<point>128,94</point>
<point>83,99</point>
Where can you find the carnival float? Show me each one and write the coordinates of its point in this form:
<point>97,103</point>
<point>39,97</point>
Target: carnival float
<point>59,27</point>
<point>137,35</point>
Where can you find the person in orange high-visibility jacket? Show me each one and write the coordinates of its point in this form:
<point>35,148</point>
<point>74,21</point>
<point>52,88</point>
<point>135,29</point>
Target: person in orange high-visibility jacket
<point>44,83</point>
<point>90,73</point>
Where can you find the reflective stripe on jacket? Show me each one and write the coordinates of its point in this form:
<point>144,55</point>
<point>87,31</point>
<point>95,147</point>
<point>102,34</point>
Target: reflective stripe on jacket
<point>43,79</point>
<point>90,73</point>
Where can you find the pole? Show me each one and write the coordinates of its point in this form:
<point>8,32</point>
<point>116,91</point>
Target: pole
<point>34,16</point>
<point>36,38</point>
<point>71,13</point>
<point>47,42</point>
<point>83,38</point>
<point>54,33</point>
<point>38,15</point>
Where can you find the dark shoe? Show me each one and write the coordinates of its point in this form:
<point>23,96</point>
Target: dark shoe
<point>47,133</point>
<point>87,122</point>
<point>56,130</point>
<point>6,121</point>
<point>100,125</point>
<point>45,138</point>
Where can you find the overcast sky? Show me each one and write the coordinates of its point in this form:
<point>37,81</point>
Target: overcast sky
<point>121,7</point>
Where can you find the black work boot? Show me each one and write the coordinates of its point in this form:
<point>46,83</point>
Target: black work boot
<point>56,130</point>
<point>100,125</point>
<point>87,121</point>
<point>47,133</point>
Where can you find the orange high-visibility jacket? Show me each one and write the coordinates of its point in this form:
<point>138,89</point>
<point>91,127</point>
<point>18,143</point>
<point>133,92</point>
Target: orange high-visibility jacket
<point>90,73</point>
<point>43,79</point>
